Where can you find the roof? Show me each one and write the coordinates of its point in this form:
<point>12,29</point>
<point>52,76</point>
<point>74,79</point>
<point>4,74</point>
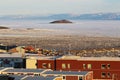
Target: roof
<point>100,58</point>
<point>69,57</point>
<point>6,55</point>
<point>41,57</point>
<point>1,68</point>
<point>21,77</point>
<point>25,70</point>
<point>17,77</point>
<point>3,47</point>
<point>89,58</point>
<point>40,78</point>
<point>66,72</point>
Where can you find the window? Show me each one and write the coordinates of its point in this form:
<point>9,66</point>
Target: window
<point>89,66</point>
<point>63,66</point>
<point>80,78</point>
<point>64,77</point>
<point>103,74</point>
<point>36,74</point>
<point>68,66</point>
<point>108,66</point>
<point>103,66</point>
<point>84,66</point>
<point>44,65</point>
<point>108,75</point>
<point>49,65</point>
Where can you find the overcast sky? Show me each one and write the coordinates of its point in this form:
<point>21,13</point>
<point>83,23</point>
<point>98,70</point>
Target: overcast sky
<point>45,7</point>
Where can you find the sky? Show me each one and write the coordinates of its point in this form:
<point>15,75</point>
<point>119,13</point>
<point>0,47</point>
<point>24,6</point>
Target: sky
<point>46,7</point>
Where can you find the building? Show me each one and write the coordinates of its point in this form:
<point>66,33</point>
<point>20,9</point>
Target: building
<point>71,75</point>
<point>24,77</point>
<point>4,48</point>
<point>12,60</point>
<point>102,67</point>
<point>106,68</point>
<point>46,74</point>
<point>20,71</point>
<point>6,77</point>
<point>18,49</point>
<point>46,63</point>
<point>40,78</point>
<point>40,62</point>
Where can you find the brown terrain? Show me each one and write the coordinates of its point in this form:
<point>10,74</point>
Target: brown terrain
<point>75,44</point>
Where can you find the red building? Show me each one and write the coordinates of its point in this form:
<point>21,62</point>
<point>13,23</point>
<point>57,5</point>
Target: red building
<point>105,68</point>
<point>102,67</point>
<point>71,75</point>
<point>46,63</point>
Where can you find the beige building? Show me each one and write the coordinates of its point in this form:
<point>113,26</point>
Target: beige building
<point>31,63</point>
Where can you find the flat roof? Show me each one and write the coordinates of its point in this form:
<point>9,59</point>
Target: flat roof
<point>66,72</point>
<point>89,58</point>
<point>100,58</point>
<point>40,78</point>
<point>25,70</point>
<point>20,77</point>
<point>17,77</point>
<point>1,68</point>
<point>13,55</point>
<point>41,57</point>
<point>69,57</point>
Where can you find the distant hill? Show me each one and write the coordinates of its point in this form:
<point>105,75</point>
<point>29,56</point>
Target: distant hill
<point>61,21</point>
<point>96,16</point>
<point>2,27</point>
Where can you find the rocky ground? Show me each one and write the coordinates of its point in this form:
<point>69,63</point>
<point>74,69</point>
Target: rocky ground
<point>50,39</point>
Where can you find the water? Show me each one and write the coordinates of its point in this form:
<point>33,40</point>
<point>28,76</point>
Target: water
<point>89,28</point>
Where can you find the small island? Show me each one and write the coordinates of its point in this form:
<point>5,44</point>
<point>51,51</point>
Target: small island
<point>61,21</point>
<point>2,27</point>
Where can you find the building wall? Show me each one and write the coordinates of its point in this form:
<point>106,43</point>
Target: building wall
<point>96,66</point>
<point>73,65</point>
<point>46,64</point>
<point>72,78</point>
<point>31,63</point>
<point>12,62</point>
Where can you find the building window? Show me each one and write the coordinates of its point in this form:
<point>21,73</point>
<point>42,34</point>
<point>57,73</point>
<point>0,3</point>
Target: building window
<point>103,66</point>
<point>108,75</point>
<point>80,78</point>
<point>64,77</point>
<point>36,74</point>
<point>84,66</point>
<point>44,65</point>
<point>103,74</point>
<point>89,66</point>
<point>63,66</point>
<point>49,65</point>
<point>68,66</point>
<point>108,66</point>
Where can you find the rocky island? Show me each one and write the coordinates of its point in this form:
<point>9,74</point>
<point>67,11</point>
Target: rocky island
<point>61,21</point>
<point>2,27</point>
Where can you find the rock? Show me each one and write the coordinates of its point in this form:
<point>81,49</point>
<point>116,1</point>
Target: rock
<point>2,27</point>
<point>61,21</point>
